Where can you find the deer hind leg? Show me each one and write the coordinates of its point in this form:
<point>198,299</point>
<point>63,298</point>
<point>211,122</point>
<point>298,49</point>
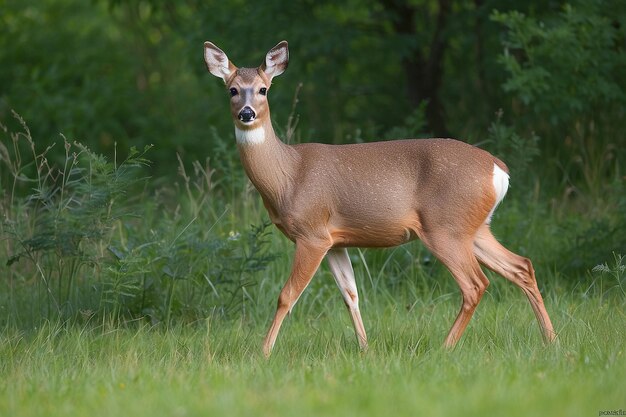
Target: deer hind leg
<point>458,257</point>
<point>307,259</point>
<point>516,269</point>
<point>341,268</point>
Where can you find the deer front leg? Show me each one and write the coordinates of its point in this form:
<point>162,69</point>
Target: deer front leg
<point>341,268</point>
<point>307,259</point>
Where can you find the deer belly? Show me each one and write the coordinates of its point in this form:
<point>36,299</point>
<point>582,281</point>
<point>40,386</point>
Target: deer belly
<point>374,232</point>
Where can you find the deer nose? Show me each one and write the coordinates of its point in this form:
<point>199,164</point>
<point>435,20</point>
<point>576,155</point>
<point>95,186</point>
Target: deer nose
<point>246,114</point>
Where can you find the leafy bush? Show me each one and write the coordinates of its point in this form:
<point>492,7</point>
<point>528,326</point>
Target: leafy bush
<point>519,151</point>
<point>566,72</point>
<point>568,65</point>
<point>61,223</point>
<point>188,273</point>
<point>91,242</point>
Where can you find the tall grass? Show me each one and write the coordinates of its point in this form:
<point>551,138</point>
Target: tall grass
<point>85,237</point>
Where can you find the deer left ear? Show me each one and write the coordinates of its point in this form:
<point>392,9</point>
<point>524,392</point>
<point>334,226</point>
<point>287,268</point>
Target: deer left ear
<point>276,60</point>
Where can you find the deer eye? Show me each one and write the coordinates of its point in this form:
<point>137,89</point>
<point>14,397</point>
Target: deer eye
<point>233,92</point>
<point>263,91</point>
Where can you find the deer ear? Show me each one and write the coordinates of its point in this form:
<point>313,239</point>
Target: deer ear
<point>217,62</point>
<point>276,60</point>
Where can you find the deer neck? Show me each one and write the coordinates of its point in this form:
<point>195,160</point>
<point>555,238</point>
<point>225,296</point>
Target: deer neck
<point>269,163</point>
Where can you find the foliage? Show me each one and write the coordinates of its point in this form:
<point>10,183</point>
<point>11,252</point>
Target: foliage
<point>566,71</point>
<point>78,233</point>
<point>186,273</point>
<point>594,239</point>
<point>505,140</point>
<point>70,210</point>
<point>612,278</point>
<point>135,74</point>
<point>414,125</point>
<point>103,78</point>
<point>568,65</point>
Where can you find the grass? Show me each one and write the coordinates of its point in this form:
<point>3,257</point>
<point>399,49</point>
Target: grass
<point>500,366</point>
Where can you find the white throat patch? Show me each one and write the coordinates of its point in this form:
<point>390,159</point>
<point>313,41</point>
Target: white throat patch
<point>250,137</point>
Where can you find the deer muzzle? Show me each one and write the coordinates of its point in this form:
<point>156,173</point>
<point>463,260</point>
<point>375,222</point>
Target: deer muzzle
<point>247,115</point>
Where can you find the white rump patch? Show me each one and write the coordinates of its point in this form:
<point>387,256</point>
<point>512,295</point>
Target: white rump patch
<point>500,185</point>
<point>250,137</point>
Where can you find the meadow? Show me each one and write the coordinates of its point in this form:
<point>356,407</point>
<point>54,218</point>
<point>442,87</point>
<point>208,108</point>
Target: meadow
<point>500,367</point>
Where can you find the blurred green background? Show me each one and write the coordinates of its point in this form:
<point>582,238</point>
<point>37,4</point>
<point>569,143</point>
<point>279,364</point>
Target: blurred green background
<point>132,72</point>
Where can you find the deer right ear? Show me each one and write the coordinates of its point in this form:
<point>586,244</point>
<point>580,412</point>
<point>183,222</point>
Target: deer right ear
<point>217,62</point>
<point>276,60</point>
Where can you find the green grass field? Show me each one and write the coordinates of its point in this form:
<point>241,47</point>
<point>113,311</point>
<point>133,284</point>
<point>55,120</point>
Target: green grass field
<point>500,367</point>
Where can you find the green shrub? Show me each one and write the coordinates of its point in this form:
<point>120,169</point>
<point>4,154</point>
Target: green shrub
<point>92,240</point>
<point>565,72</point>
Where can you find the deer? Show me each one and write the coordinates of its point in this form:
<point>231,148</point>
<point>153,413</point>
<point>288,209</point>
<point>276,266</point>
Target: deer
<point>327,198</point>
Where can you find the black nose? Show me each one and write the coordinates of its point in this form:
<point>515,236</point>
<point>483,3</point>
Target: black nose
<point>246,114</point>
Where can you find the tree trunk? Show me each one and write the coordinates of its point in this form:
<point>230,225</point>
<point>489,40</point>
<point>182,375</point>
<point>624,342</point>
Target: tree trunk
<point>423,72</point>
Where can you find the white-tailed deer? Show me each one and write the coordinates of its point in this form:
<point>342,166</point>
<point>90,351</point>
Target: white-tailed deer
<point>326,198</point>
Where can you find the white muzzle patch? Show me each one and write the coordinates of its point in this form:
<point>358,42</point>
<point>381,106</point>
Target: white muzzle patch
<point>250,136</point>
